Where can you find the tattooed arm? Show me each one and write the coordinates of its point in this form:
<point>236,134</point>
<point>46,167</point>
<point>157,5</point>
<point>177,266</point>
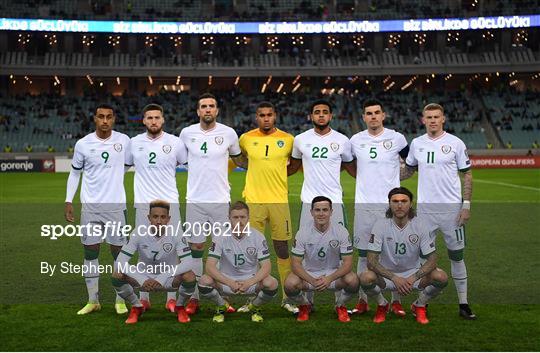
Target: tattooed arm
<point>465,212</point>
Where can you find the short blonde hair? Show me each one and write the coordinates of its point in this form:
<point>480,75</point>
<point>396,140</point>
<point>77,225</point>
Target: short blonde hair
<point>160,204</point>
<point>433,106</point>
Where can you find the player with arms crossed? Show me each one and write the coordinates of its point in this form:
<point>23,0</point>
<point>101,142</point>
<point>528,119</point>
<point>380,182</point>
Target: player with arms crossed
<point>439,158</point>
<point>209,145</point>
<point>377,151</point>
<point>239,264</point>
<point>322,259</point>
<point>396,248</point>
<point>162,265</point>
<point>101,157</point>
<point>268,149</point>
<point>155,155</point>
<point>321,151</point>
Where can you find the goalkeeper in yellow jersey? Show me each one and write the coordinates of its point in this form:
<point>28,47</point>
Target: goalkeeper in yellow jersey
<point>268,150</point>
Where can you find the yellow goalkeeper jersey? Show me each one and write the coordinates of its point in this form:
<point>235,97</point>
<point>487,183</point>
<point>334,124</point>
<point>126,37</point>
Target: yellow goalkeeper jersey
<point>268,155</point>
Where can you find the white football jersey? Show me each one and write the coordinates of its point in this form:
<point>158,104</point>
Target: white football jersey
<point>154,250</point>
<point>321,157</point>
<point>155,163</point>
<point>208,158</point>
<point>102,163</point>
<point>322,251</point>
<point>378,164</point>
<point>439,161</point>
<point>239,257</point>
<point>400,249</point>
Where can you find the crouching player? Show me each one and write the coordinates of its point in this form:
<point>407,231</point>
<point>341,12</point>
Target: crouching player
<point>395,251</point>
<point>238,263</point>
<point>162,264</point>
<point>326,250</point>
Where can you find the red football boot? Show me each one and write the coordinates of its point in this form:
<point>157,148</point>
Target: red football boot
<point>303,313</point>
<point>193,306</point>
<point>182,314</point>
<point>397,309</point>
<point>380,314</point>
<point>134,314</point>
<point>342,314</point>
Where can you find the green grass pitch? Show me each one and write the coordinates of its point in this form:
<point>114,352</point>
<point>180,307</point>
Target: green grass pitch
<point>37,312</point>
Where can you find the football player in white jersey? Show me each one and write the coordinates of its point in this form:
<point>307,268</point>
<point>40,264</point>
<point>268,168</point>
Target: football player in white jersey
<point>162,264</point>
<point>100,157</point>
<point>440,158</point>
<point>209,145</point>
<point>377,166</point>
<point>239,263</point>
<point>321,151</point>
<point>155,155</point>
<point>396,249</point>
<point>322,260</point>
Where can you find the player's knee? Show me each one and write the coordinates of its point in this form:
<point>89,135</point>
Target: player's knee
<point>118,282</point>
<point>270,283</point>
<point>368,278</point>
<point>351,280</point>
<point>439,278</point>
<point>115,250</point>
<point>293,283</point>
<point>189,277</point>
<point>206,281</point>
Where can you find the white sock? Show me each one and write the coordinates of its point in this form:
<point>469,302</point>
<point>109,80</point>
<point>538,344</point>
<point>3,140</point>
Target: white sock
<point>171,295</point>
<point>144,295</point>
<point>376,292</point>
<point>299,298</point>
<point>396,297</point>
<point>126,292</point>
<point>212,294</point>
<point>427,294</point>
<point>264,296</point>
<point>343,297</point>
<point>459,274</point>
<point>184,293</point>
<point>91,277</point>
<point>362,266</point>
<point>310,296</point>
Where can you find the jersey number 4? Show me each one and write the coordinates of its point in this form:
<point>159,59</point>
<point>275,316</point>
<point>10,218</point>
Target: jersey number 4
<point>204,148</point>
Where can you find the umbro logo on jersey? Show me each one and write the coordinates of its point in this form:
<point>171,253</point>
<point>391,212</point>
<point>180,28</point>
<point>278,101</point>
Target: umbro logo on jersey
<point>167,247</point>
<point>93,150</point>
<point>141,148</point>
<point>281,143</point>
<point>166,148</point>
<point>420,150</point>
<point>251,251</point>
<point>446,149</point>
<point>362,145</point>
<point>333,244</point>
<point>118,147</point>
<point>387,144</point>
<point>219,140</point>
<point>334,146</point>
<point>413,238</point>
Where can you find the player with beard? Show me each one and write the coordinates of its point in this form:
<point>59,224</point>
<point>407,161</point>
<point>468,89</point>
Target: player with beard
<point>155,155</point>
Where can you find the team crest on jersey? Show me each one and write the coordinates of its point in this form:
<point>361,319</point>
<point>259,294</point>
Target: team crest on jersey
<point>167,148</point>
<point>251,251</point>
<point>333,244</point>
<point>167,247</point>
<point>413,238</point>
<point>446,149</point>
<point>281,143</point>
<point>387,144</point>
<point>334,146</point>
<point>219,140</point>
<point>118,147</point>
